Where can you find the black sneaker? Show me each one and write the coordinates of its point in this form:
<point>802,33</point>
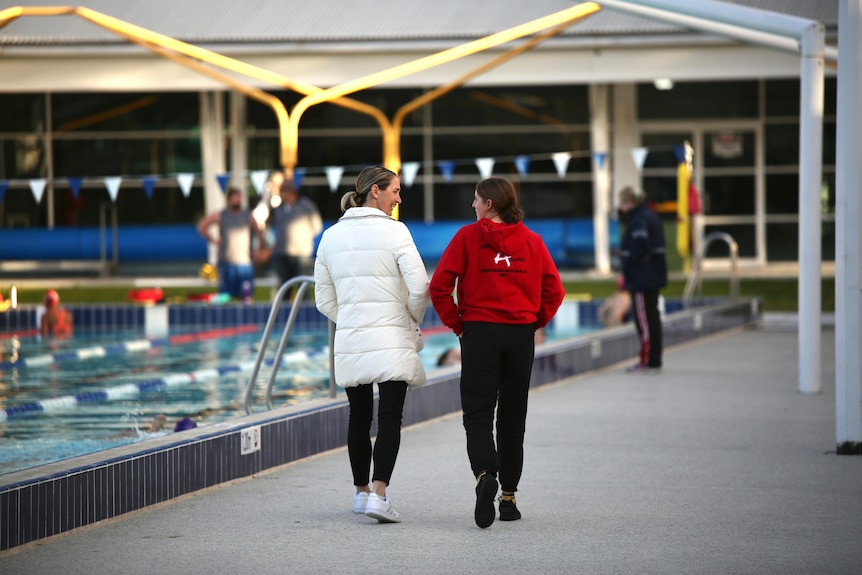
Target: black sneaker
<point>486,490</point>
<point>508,509</point>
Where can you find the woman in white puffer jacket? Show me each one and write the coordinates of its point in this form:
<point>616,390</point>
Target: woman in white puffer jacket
<point>371,282</point>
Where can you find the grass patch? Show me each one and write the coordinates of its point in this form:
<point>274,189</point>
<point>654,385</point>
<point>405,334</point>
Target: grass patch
<point>777,294</point>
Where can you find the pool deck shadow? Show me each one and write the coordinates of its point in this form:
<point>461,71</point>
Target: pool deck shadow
<point>717,465</point>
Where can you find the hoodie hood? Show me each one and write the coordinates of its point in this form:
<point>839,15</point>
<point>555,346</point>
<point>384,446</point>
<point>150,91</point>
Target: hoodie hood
<point>505,238</point>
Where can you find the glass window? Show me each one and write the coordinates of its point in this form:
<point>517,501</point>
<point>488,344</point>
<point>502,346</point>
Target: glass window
<point>782,242</point>
<point>121,112</point>
<point>22,157</point>
<point>782,193</point>
<point>728,148</point>
<point>465,148</point>
<point>115,157</point>
<point>728,195</point>
<point>782,144</point>
<point>698,100</point>
<point>662,149</point>
<point>510,105</point>
<point>22,112</point>
<point>782,97</point>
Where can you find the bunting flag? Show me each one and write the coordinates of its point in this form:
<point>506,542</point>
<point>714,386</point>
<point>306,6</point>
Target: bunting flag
<point>599,158</point>
<point>298,176</point>
<point>447,168</point>
<point>639,156</point>
<point>522,163</point>
<point>75,185</point>
<point>258,180</point>
<point>223,180</point>
<point>486,166</point>
<point>149,183</point>
<point>333,177</point>
<point>185,181</point>
<point>113,186</point>
<point>408,172</point>
<point>38,187</point>
<point>561,162</point>
<point>335,174</point>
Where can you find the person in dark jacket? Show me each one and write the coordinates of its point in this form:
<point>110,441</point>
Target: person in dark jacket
<point>644,270</point>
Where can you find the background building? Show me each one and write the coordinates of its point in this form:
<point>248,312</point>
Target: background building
<point>81,107</point>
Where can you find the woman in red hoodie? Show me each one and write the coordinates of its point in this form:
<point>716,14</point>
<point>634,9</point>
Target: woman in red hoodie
<point>507,287</point>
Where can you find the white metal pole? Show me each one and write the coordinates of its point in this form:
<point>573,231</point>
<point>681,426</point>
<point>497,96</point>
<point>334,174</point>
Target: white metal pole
<point>600,134</point>
<point>754,18</point>
<point>683,14</point>
<point>810,177</point>
<point>239,143</point>
<point>848,233</point>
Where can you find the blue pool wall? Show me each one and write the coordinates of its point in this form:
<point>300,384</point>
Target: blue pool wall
<point>52,499</point>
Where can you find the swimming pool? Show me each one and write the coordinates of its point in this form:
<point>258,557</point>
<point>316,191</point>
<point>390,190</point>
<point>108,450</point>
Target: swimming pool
<point>95,392</point>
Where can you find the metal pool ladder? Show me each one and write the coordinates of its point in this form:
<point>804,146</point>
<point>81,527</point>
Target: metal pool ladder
<point>303,282</point>
<point>695,278</point>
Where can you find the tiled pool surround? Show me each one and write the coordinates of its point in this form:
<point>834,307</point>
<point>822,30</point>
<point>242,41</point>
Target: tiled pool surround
<point>52,499</point>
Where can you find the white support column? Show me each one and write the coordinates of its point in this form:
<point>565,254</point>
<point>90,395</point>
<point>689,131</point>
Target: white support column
<point>625,172</point>
<point>239,143</point>
<point>212,155</point>
<point>600,133</point>
<point>810,180</point>
<point>848,233</point>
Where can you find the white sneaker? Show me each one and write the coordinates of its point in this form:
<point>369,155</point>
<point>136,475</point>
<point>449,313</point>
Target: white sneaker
<point>381,509</point>
<point>360,500</point>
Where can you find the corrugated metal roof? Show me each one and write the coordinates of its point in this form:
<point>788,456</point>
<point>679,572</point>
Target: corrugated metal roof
<point>278,21</point>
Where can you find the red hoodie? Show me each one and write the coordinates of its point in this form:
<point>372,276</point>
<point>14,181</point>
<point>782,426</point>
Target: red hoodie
<point>504,274</point>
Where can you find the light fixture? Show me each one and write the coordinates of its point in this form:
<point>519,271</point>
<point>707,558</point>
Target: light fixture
<point>663,84</point>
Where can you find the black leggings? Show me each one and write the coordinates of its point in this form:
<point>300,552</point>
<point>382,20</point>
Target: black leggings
<point>389,410</point>
<point>496,364</point>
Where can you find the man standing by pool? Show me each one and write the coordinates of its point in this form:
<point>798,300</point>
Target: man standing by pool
<point>235,226</point>
<point>644,269</point>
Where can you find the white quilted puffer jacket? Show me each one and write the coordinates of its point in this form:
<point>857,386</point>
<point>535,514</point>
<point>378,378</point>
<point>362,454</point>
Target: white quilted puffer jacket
<point>370,281</point>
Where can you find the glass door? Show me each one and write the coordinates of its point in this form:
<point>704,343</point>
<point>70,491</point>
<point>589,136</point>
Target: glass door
<point>726,175</point>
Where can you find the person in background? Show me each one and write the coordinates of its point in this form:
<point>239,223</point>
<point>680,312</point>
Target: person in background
<point>644,271</point>
<point>56,321</point>
<point>297,222</point>
<point>371,282</point>
<point>507,288</point>
<point>616,307</point>
<point>235,228</point>
<point>450,356</point>
<point>185,424</point>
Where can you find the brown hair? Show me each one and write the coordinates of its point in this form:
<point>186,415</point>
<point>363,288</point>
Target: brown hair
<point>364,182</point>
<point>503,196</point>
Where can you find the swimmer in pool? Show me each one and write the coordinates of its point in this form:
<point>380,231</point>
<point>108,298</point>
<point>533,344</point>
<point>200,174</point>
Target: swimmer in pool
<point>56,321</point>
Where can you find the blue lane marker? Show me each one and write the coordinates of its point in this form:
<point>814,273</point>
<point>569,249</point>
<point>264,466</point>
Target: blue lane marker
<point>169,380</point>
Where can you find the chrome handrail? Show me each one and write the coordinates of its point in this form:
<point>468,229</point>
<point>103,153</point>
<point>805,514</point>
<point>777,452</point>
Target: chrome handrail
<point>695,278</point>
<point>304,282</point>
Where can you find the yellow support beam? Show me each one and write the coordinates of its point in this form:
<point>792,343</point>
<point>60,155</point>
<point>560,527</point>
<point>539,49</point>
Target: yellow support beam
<point>148,39</point>
<point>446,56</point>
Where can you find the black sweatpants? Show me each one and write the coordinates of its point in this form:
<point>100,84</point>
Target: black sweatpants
<point>390,407</point>
<point>496,363</point>
<point>648,324</point>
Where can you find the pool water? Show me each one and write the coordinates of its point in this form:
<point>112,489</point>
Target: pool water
<point>94,393</point>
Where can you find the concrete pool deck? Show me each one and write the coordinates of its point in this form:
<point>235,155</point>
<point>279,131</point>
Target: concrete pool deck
<point>717,465</point>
